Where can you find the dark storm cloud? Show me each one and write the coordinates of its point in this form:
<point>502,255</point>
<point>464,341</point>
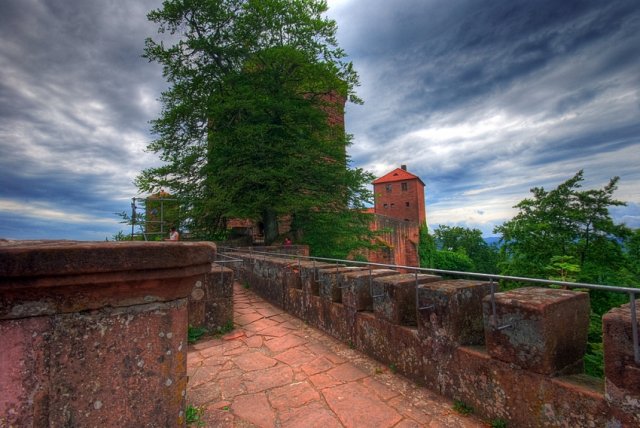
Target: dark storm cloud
<point>75,101</point>
<point>485,100</point>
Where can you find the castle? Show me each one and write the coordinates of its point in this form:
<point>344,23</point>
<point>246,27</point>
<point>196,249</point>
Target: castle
<point>399,211</point>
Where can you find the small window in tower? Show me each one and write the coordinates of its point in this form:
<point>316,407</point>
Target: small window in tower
<point>393,205</point>
<point>406,204</point>
<point>404,187</point>
<point>388,187</point>
<point>386,206</point>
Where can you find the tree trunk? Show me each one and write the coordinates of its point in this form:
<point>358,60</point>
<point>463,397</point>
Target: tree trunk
<point>270,222</point>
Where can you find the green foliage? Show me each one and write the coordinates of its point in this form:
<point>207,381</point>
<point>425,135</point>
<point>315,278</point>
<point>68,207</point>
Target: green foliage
<point>193,415</point>
<point>563,268</point>
<point>338,234</point>
<point>470,243</point>
<point>393,368</point>
<point>498,423</point>
<point>450,260</point>
<point>226,328</point>
<point>244,131</point>
<point>195,333</point>
<point>567,234</point>
<point>462,407</point>
<point>426,248</point>
<point>569,222</point>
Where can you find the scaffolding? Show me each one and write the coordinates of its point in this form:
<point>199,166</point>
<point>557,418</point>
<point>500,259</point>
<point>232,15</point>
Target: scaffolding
<point>153,223</point>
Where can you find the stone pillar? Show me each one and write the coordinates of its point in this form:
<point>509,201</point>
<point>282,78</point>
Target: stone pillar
<point>94,334</point>
<point>543,330</point>
<point>622,373</point>
<point>451,311</point>
<point>357,293</point>
<point>394,297</point>
<point>211,300</point>
<point>331,281</point>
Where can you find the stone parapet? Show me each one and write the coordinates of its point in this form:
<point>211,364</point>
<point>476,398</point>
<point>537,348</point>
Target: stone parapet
<point>394,297</point>
<point>539,329</point>
<point>451,311</point>
<point>357,292</point>
<point>621,370</point>
<point>521,393</point>
<point>211,300</point>
<point>94,334</point>
<point>332,281</point>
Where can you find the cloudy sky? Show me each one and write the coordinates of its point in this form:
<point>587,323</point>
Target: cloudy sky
<point>482,100</point>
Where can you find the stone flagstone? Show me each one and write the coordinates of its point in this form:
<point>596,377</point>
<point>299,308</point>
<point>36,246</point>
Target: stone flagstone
<point>275,371</point>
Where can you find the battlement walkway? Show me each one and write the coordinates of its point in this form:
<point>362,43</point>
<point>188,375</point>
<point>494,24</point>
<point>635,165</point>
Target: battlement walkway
<point>273,370</point>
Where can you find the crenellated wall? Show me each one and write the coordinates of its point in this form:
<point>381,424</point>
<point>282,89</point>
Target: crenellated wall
<point>520,363</point>
<point>94,334</point>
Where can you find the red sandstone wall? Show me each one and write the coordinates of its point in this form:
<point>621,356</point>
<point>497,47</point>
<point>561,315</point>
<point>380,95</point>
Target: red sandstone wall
<point>401,238</point>
<point>397,199</point>
<point>516,376</point>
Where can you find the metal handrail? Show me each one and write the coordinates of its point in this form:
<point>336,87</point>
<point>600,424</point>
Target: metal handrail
<point>631,292</point>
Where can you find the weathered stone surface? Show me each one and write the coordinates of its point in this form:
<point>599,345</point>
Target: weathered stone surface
<point>621,371</point>
<point>357,407</point>
<point>547,329</point>
<point>357,293</point>
<point>332,280</point>
<point>96,332</point>
<point>451,311</point>
<point>395,297</point>
<point>496,389</point>
<point>309,277</point>
<point>211,300</point>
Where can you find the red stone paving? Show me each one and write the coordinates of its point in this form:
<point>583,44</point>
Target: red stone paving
<point>275,371</point>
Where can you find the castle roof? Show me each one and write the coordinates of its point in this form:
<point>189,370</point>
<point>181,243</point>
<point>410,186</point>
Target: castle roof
<point>397,174</point>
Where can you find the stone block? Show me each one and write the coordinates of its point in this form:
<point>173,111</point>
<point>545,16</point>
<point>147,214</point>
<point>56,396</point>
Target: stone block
<point>357,291</point>
<point>331,281</point>
<point>218,313</point>
<point>219,282</point>
<point>621,371</point>
<point>451,311</point>
<point>96,332</point>
<point>309,277</point>
<point>394,297</point>
<point>538,329</point>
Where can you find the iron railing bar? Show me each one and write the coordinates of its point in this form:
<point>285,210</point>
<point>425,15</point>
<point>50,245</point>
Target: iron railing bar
<point>487,276</point>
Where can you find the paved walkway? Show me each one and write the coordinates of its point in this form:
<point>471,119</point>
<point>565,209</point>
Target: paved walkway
<point>275,371</point>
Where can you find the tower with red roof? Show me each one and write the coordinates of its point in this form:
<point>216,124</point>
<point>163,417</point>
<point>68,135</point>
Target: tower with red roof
<point>400,195</point>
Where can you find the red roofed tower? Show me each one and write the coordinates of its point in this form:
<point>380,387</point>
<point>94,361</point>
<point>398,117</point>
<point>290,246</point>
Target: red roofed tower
<point>400,195</point>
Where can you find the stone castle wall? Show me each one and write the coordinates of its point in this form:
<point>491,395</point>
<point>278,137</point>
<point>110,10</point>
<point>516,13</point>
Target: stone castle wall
<point>520,363</point>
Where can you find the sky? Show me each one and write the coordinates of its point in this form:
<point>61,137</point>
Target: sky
<point>482,100</point>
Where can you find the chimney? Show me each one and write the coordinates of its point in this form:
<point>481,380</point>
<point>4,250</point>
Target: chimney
<point>404,167</point>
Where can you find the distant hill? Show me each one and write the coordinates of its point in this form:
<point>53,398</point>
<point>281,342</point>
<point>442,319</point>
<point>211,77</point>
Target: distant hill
<point>492,240</point>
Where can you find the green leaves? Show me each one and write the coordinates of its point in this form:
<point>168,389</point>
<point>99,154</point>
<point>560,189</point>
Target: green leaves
<point>248,126</point>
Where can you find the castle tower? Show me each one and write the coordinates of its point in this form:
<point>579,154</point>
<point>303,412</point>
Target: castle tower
<point>400,195</point>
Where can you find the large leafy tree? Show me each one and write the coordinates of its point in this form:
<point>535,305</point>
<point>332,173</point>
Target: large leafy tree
<point>565,222</point>
<point>245,129</point>
<point>568,234</point>
<point>468,242</point>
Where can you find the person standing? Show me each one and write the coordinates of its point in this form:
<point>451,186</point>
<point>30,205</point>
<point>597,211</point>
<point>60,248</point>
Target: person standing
<point>174,235</point>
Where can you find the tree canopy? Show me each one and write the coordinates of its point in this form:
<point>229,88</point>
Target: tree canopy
<point>570,223</point>
<point>246,127</point>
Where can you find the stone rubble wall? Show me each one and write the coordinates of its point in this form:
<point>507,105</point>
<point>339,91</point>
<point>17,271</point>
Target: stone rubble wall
<point>522,365</point>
